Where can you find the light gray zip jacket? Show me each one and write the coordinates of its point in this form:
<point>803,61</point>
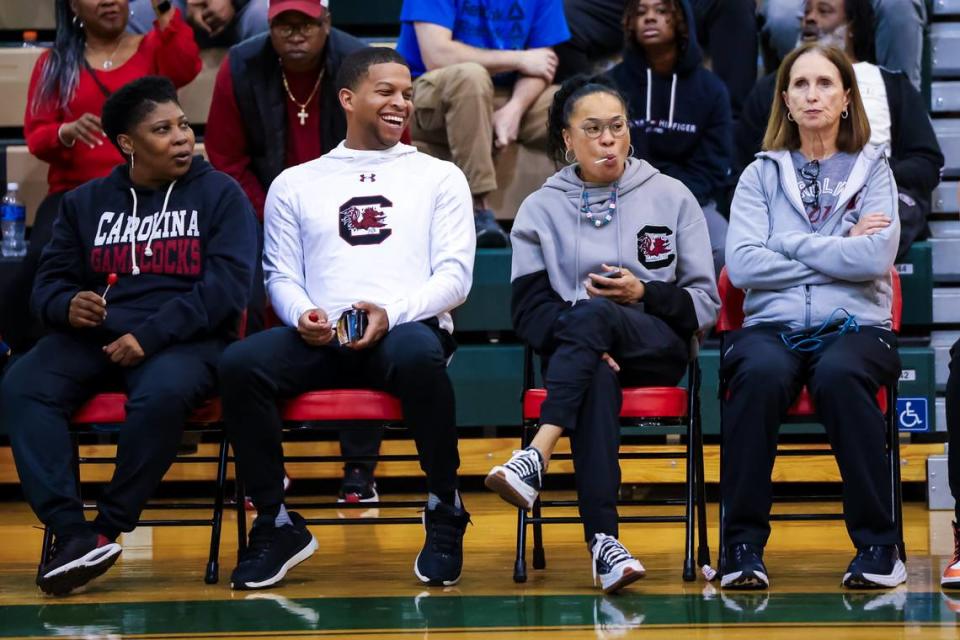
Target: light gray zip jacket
<point>797,276</point>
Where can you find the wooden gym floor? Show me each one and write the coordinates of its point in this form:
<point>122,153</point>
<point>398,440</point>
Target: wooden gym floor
<point>360,584</point>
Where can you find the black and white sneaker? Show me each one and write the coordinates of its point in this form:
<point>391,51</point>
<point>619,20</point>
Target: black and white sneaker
<point>743,568</point>
<point>613,566</point>
<point>272,552</point>
<point>875,567</point>
<point>440,561</point>
<point>358,486</point>
<point>75,561</point>
<point>518,481</point>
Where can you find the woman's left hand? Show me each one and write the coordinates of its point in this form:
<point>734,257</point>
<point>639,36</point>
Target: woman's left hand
<point>627,289</point>
<point>125,351</point>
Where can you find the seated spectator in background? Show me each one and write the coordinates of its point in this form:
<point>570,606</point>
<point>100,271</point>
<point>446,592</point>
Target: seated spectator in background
<point>181,238</point>
<point>93,56</point>
<point>595,330</point>
<point>263,86</point>
<point>813,235</point>
<point>482,81</point>
<point>377,226</point>
<point>899,123</point>
<point>679,112</point>
<point>727,29</point>
<point>899,31</point>
<point>216,23</point>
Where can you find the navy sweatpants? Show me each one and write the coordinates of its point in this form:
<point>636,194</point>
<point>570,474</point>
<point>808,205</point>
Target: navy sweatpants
<point>42,389</point>
<point>763,378</point>
<point>953,426</point>
<point>584,393</point>
<point>410,362</point>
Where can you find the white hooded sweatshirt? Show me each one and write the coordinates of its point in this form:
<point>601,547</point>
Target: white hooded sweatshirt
<point>392,227</point>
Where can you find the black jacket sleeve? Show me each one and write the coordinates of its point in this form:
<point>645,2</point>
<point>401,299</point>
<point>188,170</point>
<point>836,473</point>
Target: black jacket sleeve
<point>223,292</point>
<point>748,134</point>
<point>673,305</point>
<point>535,307</point>
<point>916,157</point>
<point>60,274</point>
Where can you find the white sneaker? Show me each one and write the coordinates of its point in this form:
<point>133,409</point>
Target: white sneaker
<point>613,565</point>
<point>518,481</point>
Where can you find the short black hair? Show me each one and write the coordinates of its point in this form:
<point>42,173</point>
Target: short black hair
<point>863,22</point>
<point>134,101</point>
<point>355,66</point>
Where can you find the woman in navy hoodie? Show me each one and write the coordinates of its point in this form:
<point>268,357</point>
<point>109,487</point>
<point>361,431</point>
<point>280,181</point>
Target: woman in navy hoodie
<point>680,118</point>
<point>181,238</point>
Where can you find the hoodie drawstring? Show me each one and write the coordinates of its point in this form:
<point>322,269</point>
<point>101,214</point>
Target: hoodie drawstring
<point>673,96</point>
<point>147,251</point>
<point>576,272</point>
<point>673,99</point>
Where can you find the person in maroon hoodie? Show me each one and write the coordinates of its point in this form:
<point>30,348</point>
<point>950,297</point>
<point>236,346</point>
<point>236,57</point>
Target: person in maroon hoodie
<point>182,240</point>
<point>93,56</point>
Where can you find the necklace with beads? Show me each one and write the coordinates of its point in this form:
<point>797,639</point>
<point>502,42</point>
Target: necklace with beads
<point>603,216</point>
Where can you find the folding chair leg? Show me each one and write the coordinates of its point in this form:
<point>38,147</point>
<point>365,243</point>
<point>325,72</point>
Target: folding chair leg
<point>893,460</point>
<point>212,575</point>
<point>689,572</point>
<point>241,507</point>
<point>703,544</point>
<point>520,565</point>
<point>46,547</point>
<point>539,556</point>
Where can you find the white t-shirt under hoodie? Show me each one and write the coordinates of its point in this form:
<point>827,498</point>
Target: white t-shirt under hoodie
<point>392,227</point>
<point>873,92</point>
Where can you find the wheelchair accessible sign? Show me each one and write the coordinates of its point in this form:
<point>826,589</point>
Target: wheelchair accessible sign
<point>912,414</point>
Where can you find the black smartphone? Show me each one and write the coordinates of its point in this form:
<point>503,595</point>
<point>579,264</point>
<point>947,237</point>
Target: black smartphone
<point>616,273</point>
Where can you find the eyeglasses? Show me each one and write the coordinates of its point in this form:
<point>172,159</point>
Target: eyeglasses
<point>594,128</point>
<point>306,29</point>
<point>810,194</point>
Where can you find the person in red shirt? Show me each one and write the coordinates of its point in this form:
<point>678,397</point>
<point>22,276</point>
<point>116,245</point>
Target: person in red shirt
<point>92,57</point>
<point>280,86</point>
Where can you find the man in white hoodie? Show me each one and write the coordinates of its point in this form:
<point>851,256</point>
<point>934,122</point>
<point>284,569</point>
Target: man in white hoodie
<point>376,226</point>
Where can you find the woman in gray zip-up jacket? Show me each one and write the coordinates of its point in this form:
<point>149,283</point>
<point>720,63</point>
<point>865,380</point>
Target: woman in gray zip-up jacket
<point>813,235</point>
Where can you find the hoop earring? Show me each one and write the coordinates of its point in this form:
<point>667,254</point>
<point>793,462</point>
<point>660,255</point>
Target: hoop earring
<point>790,117</point>
<point>845,114</point>
<point>77,23</point>
<point>630,151</point>
<point>566,156</point>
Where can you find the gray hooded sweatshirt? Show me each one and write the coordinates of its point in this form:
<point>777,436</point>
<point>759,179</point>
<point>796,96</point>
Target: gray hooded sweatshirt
<point>796,276</point>
<point>657,231</point>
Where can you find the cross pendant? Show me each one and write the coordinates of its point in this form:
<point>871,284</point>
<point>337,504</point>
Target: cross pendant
<point>303,115</point>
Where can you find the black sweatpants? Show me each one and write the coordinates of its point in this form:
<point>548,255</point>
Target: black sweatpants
<point>953,426</point>
<point>410,362</point>
<point>762,379</point>
<point>43,388</point>
<point>584,393</point>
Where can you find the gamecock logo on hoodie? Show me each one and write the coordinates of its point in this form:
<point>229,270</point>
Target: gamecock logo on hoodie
<point>363,220</point>
<point>655,247</point>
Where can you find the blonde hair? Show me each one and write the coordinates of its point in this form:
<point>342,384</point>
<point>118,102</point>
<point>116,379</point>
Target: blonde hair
<point>854,133</point>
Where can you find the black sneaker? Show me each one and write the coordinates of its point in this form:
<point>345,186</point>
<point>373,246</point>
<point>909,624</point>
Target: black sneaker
<point>440,561</point>
<point>519,479</point>
<point>875,567</point>
<point>613,566</point>
<point>490,235</point>
<point>75,561</point>
<point>271,552</point>
<point>743,568</point>
<point>358,486</point>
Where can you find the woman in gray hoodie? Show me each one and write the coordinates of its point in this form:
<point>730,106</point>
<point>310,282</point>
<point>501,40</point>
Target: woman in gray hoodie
<point>612,281</point>
<point>813,235</point>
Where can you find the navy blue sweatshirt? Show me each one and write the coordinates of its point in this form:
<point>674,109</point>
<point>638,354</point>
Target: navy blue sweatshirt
<point>686,128</point>
<point>197,281</point>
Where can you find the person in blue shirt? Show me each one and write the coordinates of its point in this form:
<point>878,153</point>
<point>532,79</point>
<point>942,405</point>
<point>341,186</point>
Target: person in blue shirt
<point>483,71</point>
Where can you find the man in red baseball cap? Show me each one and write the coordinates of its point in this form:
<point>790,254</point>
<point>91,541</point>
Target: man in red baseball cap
<point>274,106</point>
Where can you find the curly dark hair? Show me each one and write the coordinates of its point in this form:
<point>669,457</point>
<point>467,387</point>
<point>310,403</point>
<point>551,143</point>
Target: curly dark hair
<point>632,10</point>
<point>565,101</point>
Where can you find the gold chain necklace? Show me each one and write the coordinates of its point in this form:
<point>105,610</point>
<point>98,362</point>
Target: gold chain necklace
<point>302,114</point>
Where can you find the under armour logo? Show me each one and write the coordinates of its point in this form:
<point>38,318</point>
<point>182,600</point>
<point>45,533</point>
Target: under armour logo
<point>372,177</point>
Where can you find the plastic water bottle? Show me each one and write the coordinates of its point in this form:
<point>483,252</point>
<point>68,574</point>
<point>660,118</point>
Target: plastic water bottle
<point>13,218</point>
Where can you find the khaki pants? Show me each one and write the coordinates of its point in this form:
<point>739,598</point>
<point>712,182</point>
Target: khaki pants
<point>454,120</point>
